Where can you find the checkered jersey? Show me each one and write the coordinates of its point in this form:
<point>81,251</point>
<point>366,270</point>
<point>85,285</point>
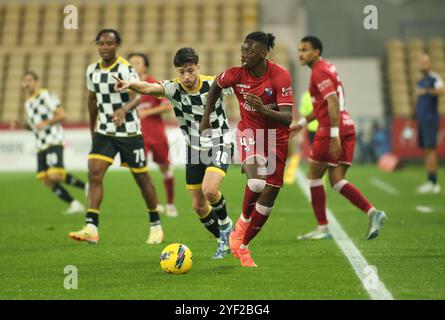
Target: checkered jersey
<point>100,81</point>
<point>41,107</point>
<point>189,109</point>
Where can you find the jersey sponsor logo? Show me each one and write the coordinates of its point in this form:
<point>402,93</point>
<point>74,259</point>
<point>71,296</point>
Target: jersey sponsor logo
<point>268,91</point>
<point>245,86</point>
<point>247,107</point>
<point>287,92</point>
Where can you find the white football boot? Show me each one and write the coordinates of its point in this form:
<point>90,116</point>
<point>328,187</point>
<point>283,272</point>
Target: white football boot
<point>75,207</point>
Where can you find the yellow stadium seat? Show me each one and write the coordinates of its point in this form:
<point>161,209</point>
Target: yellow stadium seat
<point>30,22</point>
<point>11,24</point>
<point>51,21</point>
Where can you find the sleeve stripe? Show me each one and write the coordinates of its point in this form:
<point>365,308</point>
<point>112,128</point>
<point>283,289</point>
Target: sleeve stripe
<point>285,104</point>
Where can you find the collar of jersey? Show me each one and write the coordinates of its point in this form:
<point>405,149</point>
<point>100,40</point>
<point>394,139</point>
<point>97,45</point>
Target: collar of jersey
<point>191,91</point>
<point>119,58</point>
<point>37,93</point>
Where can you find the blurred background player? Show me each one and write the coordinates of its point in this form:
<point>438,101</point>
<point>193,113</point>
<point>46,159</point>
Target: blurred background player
<point>45,115</point>
<point>333,146</point>
<point>207,159</point>
<point>265,96</point>
<point>295,143</point>
<point>115,128</point>
<point>427,92</point>
<point>153,130</point>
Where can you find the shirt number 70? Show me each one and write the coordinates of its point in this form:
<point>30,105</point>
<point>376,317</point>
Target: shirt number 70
<point>139,155</point>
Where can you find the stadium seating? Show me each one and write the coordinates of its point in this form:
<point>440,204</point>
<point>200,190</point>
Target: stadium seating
<point>32,36</point>
<point>402,71</point>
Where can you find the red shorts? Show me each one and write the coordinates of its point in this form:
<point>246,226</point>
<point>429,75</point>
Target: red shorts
<point>320,150</point>
<point>159,151</point>
<point>250,144</point>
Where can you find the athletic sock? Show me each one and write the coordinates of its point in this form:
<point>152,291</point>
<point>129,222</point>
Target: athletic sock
<point>153,217</point>
<point>318,201</point>
<point>169,188</point>
<point>249,201</point>
<point>210,221</point>
<point>62,193</point>
<point>350,192</point>
<point>259,217</point>
<point>92,217</point>
<point>71,180</point>
<point>219,207</point>
<point>432,176</point>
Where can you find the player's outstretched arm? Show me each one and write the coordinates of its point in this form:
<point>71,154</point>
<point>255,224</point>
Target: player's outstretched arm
<point>152,89</point>
<point>213,96</point>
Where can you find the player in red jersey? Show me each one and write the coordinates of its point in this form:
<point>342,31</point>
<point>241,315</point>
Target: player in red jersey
<point>333,146</point>
<point>264,92</point>
<point>153,128</point>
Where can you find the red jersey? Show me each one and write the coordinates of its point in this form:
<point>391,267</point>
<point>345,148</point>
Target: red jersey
<point>274,88</point>
<point>324,82</point>
<point>153,129</point>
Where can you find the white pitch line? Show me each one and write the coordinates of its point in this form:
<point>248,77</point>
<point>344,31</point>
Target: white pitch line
<point>383,185</point>
<point>365,272</point>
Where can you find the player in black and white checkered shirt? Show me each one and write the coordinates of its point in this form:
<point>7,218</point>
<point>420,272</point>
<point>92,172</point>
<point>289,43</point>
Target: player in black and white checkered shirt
<point>115,128</point>
<point>44,114</point>
<point>207,159</point>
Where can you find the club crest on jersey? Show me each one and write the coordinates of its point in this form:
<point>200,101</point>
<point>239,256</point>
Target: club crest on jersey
<point>268,91</point>
<point>185,100</point>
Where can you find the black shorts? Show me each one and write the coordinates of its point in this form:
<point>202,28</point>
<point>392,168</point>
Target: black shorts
<point>50,161</point>
<point>130,149</point>
<point>216,159</point>
<point>427,133</point>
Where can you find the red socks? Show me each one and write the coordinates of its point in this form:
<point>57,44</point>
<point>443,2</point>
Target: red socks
<point>253,191</point>
<point>169,183</point>
<point>318,201</point>
<point>259,216</point>
<point>350,192</point>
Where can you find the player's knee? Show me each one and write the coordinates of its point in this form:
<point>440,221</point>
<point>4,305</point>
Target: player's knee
<point>201,210</point>
<point>339,184</point>
<point>55,178</point>
<point>95,176</point>
<point>256,185</point>
<point>211,193</point>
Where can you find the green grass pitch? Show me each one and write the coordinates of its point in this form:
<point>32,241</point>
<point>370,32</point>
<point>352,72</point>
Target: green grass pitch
<point>409,254</point>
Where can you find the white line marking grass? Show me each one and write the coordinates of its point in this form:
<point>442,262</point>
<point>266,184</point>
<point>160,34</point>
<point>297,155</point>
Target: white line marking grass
<point>383,185</point>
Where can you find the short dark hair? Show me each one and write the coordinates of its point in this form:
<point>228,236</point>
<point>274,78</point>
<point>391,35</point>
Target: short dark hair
<point>315,42</point>
<point>267,39</point>
<point>185,55</point>
<point>116,34</point>
<point>142,55</point>
<point>32,74</point>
